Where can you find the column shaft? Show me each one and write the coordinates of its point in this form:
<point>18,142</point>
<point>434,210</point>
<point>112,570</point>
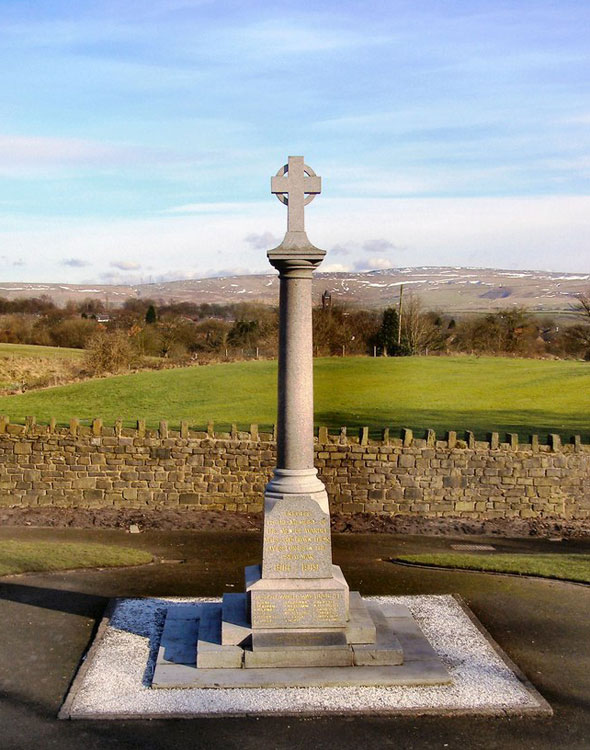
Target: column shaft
<point>295,386</point>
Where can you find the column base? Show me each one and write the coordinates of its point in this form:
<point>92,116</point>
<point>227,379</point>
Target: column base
<point>294,603</point>
<point>288,482</point>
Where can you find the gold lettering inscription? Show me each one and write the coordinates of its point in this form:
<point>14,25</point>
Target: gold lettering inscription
<point>298,608</point>
<point>297,541</point>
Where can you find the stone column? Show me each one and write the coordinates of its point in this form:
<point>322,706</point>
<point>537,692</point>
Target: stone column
<point>295,386</point>
<point>295,472</point>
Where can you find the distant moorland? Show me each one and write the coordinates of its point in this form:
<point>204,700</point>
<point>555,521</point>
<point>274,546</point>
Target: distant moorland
<point>451,290</point>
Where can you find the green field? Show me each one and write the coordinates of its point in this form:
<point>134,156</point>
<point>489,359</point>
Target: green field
<point>43,352</point>
<point>461,393</point>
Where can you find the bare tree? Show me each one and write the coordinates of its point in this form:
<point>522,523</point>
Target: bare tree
<point>583,306</point>
<point>418,328</point>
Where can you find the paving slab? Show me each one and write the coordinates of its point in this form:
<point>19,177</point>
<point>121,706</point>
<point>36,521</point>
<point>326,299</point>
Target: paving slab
<point>178,644</point>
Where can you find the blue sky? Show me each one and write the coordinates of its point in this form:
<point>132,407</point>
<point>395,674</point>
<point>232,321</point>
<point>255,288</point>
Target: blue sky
<point>137,139</point>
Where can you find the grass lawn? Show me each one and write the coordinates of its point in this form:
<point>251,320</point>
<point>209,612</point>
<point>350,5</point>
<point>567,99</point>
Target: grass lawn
<point>563,566</point>
<point>45,352</point>
<point>461,393</point>
<point>25,557</point>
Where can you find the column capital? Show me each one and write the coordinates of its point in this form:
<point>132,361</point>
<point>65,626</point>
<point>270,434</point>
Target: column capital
<point>296,247</point>
<point>290,267</point>
<point>295,253</point>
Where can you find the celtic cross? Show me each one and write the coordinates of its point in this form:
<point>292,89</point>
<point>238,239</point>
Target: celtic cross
<point>296,185</point>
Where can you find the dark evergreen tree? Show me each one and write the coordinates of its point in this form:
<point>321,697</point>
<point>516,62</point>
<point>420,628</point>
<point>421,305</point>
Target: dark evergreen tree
<point>387,335</point>
<point>150,316</point>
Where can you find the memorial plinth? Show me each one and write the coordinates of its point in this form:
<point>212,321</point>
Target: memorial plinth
<point>297,612</point>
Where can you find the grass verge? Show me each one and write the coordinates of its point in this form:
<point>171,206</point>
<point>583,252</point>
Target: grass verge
<point>563,567</point>
<point>28,557</point>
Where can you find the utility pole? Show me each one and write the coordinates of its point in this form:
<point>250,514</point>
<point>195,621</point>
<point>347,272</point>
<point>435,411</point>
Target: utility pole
<point>399,316</point>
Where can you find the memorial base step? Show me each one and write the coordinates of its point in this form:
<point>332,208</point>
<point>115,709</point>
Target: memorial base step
<point>191,653</point>
<point>210,653</point>
<point>297,602</point>
<point>237,631</point>
<point>386,649</point>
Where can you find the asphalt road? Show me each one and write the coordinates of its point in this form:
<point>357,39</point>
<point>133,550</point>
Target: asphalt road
<point>47,622</point>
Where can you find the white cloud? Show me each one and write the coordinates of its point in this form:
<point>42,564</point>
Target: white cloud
<point>334,268</point>
<point>372,263</point>
<point>111,277</point>
<point>213,208</point>
<point>340,250</point>
<point>582,119</point>
<point>41,151</point>
<point>125,265</point>
<point>280,38</point>
<point>378,246</point>
<point>75,262</point>
<point>264,241</point>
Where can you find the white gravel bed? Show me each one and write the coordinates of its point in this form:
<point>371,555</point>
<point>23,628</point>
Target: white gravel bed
<point>116,682</point>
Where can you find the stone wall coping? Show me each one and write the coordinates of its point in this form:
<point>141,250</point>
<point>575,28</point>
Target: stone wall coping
<point>405,438</point>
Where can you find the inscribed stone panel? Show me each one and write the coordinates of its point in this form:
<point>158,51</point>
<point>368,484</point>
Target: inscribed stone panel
<point>297,540</point>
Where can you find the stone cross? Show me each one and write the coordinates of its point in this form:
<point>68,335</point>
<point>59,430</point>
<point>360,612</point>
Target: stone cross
<point>297,586</point>
<point>296,190</point>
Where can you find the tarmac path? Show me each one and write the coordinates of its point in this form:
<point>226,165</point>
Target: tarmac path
<point>47,622</point>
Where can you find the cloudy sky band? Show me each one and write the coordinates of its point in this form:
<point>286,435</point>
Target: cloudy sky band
<point>136,132</point>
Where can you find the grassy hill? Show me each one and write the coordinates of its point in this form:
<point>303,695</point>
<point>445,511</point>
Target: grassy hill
<point>479,394</point>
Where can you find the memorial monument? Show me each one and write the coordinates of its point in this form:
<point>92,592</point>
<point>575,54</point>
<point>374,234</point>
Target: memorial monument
<point>297,623</point>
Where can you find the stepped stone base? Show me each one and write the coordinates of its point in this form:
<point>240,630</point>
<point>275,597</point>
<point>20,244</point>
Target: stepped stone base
<point>212,645</point>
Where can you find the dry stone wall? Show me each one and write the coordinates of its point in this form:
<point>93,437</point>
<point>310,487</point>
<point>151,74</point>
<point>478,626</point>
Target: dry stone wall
<point>100,466</point>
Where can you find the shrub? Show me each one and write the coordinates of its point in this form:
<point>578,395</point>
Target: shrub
<point>109,352</point>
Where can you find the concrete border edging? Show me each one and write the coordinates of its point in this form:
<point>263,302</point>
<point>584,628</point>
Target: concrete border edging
<point>544,707</point>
